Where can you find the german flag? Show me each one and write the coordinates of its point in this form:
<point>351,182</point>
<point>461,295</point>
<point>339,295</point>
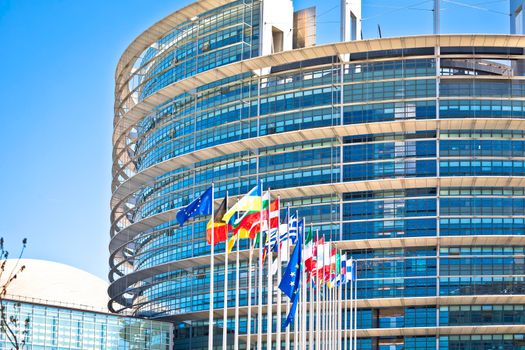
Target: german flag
<point>220,228</point>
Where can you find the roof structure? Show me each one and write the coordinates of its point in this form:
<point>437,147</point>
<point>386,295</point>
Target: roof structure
<point>56,284</point>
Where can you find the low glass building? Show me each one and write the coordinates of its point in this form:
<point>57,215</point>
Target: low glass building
<point>51,327</point>
<point>52,306</point>
<point>408,152</point>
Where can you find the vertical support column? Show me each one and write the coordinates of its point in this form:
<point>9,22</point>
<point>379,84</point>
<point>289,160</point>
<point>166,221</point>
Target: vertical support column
<point>351,20</point>
<point>276,26</point>
<point>437,53</point>
<point>517,25</point>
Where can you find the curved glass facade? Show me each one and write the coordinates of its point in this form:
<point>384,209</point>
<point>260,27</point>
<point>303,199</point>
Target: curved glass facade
<point>412,157</point>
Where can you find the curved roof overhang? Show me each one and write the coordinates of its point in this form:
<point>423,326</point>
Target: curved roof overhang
<point>118,288</point>
<point>142,108</point>
<point>161,28</point>
<point>129,233</point>
<point>149,174</point>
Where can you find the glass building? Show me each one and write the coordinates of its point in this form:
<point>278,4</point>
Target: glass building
<point>409,152</point>
<point>50,327</point>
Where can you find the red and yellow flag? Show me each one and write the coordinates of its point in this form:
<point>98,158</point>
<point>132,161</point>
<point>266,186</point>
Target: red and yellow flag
<point>220,227</point>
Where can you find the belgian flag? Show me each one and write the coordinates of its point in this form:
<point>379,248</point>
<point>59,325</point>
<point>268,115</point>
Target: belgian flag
<point>220,227</point>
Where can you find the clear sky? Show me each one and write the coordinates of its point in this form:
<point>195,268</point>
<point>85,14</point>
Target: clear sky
<point>58,61</point>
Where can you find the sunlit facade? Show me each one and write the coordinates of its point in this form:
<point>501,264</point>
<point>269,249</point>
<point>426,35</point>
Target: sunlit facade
<point>409,152</point>
<point>43,326</point>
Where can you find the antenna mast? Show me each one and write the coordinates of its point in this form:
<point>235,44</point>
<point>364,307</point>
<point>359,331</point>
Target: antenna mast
<point>437,17</point>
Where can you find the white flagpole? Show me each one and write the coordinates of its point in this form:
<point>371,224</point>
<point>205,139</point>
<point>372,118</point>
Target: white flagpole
<point>260,291</point>
<point>249,315</point>
<point>225,299</point>
<point>212,269</point>
<point>322,300</point>
<point>279,271</point>
<point>269,305</point>
<point>296,326</point>
<point>311,308</point>
<point>337,327</point>
<point>345,310</point>
<point>304,290</point>
<point>355,308</point>
<point>331,311</point>
<point>339,305</point>
<point>237,290</point>
<point>351,330</point>
<point>287,344</point>
<point>297,312</point>
<point>329,298</point>
<point>317,295</point>
<point>323,312</point>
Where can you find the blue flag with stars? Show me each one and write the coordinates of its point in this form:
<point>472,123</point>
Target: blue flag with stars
<point>200,206</point>
<point>291,280</point>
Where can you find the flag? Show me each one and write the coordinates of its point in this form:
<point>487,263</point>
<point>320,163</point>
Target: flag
<point>333,265</point>
<point>251,202</point>
<point>336,274</point>
<point>220,228</point>
<point>309,261</point>
<point>351,270</point>
<point>291,281</point>
<point>270,217</point>
<point>343,269</point>
<point>319,261</point>
<point>287,234</point>
<point>293,227</point>
<point>249,225</point>
<point>200,206</point>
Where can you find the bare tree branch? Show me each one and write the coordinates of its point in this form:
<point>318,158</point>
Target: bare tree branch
<point>9,323</point>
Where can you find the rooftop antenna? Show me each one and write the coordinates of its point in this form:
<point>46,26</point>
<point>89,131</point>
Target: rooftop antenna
<point>437,17</point>
<point>379,31</point>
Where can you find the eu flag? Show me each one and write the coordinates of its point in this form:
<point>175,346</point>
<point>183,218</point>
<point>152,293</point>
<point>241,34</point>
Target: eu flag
<point>292,279</point>
<point>200,206</point>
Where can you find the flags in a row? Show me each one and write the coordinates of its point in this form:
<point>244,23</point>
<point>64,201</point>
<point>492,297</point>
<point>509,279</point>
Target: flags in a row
<point>254,214</point>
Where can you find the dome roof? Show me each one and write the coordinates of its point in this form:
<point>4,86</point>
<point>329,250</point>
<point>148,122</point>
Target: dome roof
<point>57,284</point>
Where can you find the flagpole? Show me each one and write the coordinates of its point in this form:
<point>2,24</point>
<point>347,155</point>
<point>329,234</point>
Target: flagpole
<point>336,303</point>
<point>269,305</point>
<point>320,273</point>
<point>212,269</point>
<point>303,287</point>
<point>287,345</point>
<point>345,302</point>
<point>260,291</point>
<point>323,304</point>
<point>339,305</point>
<point>327,311</point>
<point>317,287</point>
<point>330,308</point>
<point>299,314</point>
<point>351,319</point>
<point>324,312</point>
<point>311,299</point>
<point>311,316</point>
<point>237,285</point>
<point>355,307</point>
<point>296,316</point>
<point>249,315</point>
<point>225,299</point>
<point>279,272</point>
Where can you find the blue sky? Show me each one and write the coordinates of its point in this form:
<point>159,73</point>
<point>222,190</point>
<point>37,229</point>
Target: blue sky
<point>58,60</point>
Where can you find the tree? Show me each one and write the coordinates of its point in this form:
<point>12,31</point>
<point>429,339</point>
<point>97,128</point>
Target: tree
<point>15,331</point>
